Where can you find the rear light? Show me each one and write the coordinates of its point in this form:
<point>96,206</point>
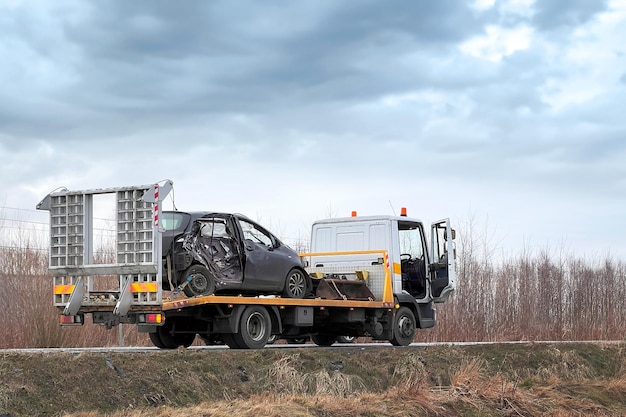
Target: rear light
<point>71,320</point>
<point>154,318</point>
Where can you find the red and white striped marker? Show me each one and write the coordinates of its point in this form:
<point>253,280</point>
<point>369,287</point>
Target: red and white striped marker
<point>156,205</point>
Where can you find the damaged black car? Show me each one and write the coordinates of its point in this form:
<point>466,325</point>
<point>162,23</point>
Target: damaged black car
<point>220,253</point>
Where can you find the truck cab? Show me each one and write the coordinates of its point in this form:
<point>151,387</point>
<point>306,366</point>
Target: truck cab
<point>426,274</point>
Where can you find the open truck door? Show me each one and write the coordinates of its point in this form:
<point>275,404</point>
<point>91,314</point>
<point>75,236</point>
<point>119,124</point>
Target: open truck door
<point>442,269</point>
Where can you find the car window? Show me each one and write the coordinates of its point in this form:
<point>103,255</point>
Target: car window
<point>252,232</point>
<point>213,228</point>
<point>174,220</point>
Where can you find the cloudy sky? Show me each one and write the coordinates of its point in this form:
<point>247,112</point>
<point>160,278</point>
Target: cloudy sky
<point>508,114</point>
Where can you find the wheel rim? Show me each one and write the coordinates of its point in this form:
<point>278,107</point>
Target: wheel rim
<point>256,327</point>
<point>296,284</point>
<point>405,325</point>
<point>198,283</point>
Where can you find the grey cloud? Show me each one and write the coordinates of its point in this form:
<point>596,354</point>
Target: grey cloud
<point>555,14</point>
<point>145,64</point>
<point>243,70</point>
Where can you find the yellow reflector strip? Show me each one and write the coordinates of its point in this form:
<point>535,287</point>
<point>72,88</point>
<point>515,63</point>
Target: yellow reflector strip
<point>143,287</point>
<point>63,289</point>
<point>397,269</point>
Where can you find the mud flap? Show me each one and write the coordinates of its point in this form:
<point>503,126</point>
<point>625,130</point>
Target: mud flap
<point>343,289</point>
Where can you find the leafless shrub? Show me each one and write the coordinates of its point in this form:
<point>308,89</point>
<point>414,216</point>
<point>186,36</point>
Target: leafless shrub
<point>549,295</point>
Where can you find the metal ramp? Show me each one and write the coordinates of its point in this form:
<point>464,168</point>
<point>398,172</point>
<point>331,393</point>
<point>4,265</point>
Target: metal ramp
<point>138,251</point>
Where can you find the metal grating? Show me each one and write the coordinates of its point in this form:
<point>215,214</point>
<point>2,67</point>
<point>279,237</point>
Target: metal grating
<point>375,282</point>
<point>134,228</point>
<point>78,281</point>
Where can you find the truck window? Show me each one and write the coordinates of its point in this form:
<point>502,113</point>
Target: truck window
<point>411,241</point>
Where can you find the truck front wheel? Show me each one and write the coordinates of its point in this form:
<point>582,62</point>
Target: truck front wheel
<point>404,327</point>
<point>255,328</point>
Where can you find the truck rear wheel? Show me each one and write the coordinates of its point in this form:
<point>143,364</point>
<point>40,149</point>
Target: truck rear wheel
<point>297,340</point>
<point>404,327</point>
<point>164,339</point>
<point>255,328</point>
<point>156,340</point>
<point>322,339</point>
<point>346,339</point>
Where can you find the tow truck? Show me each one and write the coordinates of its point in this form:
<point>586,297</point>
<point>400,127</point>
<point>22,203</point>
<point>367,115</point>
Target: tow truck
<point>373,276</point>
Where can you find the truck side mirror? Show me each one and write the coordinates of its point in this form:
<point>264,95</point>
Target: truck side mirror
<point>445,234</point>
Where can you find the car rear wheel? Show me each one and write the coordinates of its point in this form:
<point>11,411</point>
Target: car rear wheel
<point>200,281</point>
<point>296,284</point>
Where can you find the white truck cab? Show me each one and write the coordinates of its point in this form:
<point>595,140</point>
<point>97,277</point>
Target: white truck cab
<point>428,275</point>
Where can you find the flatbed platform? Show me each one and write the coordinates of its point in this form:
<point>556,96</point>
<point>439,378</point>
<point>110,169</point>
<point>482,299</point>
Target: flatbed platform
<point>274,301</point>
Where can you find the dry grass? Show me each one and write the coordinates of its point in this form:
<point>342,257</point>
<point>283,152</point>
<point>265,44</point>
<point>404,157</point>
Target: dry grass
<point>286,376</point>
<point>496,380</point>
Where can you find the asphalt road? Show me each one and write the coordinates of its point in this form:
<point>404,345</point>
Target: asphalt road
<point>131,349</point>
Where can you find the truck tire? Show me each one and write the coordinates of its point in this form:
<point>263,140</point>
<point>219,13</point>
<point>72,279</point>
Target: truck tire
<point>297,341</point>
<point>346,339</point>
<point>202,281</point>
<point>296,284</point>
<point>229,339</point>
<point>156,340</point>
<point>164,339</point>
<point>255,328</point>
<point>404,327</point>
<point>322,339</point>
<point>211,339</point>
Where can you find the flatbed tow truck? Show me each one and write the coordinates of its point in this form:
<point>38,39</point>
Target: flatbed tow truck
<point>371,276</point>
